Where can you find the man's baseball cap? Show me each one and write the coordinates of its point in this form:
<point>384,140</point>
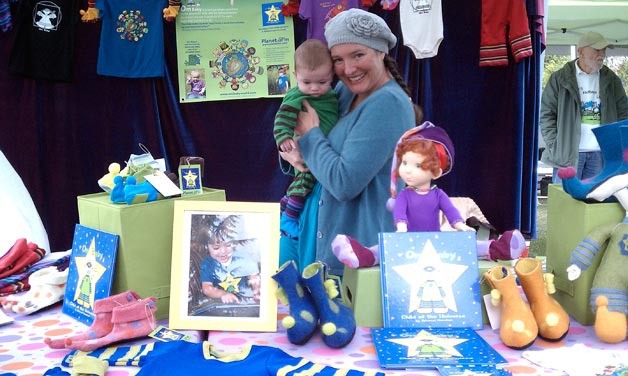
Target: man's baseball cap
<point>595,40</point>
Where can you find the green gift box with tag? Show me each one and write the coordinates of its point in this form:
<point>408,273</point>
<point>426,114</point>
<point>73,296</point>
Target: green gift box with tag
<point>145,250</point>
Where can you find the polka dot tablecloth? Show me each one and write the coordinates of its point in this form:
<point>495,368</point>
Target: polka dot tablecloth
<point>23,352</point>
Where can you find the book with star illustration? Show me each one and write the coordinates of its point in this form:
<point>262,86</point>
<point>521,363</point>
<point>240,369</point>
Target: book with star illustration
<point>453,351</point>
<point>90,274</point>
<point>430,280</point>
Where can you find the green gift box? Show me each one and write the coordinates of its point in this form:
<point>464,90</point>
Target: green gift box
<point>569,221</point>
<point>145,250</point>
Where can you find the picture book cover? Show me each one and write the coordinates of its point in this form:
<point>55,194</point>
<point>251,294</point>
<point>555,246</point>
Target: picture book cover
<point>90,274</point>
<point>451,349</point>
<point>430,280</point>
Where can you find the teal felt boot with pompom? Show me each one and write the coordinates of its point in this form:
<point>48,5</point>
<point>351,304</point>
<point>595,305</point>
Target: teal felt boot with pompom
<point>303,319</point>
<point>336,320</point>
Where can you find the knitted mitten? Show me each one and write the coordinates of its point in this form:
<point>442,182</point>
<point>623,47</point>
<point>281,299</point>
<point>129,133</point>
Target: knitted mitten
<point>610,326</point>
<point>518,328</point>
<point>336,320</point>
<point>102,324</point>
<point>551,318</point>
<point>47,288</point>
<point>130,321</point>
<point>303,319</point>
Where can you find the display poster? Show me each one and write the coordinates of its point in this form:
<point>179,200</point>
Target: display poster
<point>233,50</point>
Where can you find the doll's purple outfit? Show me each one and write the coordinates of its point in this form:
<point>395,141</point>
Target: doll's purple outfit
<point>420,211</point>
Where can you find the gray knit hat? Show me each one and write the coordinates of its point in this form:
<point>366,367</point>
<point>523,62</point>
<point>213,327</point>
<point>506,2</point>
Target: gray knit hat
<point>359,26</point>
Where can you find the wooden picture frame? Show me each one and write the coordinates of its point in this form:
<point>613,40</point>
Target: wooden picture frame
<point>221,291</point>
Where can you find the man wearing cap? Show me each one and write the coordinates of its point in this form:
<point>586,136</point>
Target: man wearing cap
<point>581,96</point>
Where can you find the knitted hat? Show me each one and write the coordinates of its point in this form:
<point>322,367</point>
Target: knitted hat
<point>444,150</point>
<point>359,26</point>
<point>595,40</point>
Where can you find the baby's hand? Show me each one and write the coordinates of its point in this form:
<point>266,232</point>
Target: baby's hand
<point>229,298</point>
<point>287,145</point>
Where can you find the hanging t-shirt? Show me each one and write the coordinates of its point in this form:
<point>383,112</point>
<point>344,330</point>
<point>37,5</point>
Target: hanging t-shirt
<point>44,39</point>
<point>589,87</point>
<point>318,12</point>
<point>131,39</point>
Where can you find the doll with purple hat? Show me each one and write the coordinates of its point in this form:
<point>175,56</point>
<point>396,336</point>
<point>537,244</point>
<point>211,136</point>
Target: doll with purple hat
<point>424,154</point>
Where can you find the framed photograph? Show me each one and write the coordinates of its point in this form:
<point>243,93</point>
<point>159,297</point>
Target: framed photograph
<point>223,257</point>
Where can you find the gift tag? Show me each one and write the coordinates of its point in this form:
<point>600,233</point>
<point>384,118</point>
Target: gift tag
<point>190,179</point>
<point>163,184</point>
<point>164,334</point>
<point>494,313</point>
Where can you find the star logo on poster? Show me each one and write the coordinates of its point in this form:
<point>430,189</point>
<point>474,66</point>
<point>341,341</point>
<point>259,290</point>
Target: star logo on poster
<point>427,345</point>
<point>273,14</point>
<point>431,282</point>
<point>190,179</point>
<point>90,271</point>
<point>230,284</point>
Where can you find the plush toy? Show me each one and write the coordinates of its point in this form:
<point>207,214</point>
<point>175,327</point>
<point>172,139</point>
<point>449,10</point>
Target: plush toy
<point>106,182</point>
<point>424,154</point>
<point>91,14</point>
<point>172,11</point>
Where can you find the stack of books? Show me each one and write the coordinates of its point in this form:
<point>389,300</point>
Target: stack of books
<point>431,305</point>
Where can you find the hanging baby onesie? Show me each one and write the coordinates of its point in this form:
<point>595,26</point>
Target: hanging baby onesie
<point>422,26</point>
<point>44,39</point>
<point>318,12</point>
<point>497,16</point>
<point>131,39</point>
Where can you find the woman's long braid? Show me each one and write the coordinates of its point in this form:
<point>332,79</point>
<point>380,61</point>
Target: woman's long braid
<point>391,65</point>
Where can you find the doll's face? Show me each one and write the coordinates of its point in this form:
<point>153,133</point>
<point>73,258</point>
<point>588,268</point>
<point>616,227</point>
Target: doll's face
<point>221,252</point>
<point>411,172</point>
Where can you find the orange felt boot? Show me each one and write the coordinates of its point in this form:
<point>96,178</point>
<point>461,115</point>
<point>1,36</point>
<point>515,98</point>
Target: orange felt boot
<point>610,327</point>
<point>518,328</point>
<point>551,318</point>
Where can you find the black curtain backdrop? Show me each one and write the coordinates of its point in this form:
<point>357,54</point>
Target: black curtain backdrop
<point>60,137</point>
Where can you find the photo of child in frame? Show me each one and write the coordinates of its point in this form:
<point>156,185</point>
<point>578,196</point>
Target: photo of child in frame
<point>224,268</point>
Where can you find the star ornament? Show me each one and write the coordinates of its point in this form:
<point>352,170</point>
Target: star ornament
<point>230,284</point>
<point>190,179</point>
<point>424,344</point>
<point>273,14</point>
<point>89,264</point>
<point>430,279</point>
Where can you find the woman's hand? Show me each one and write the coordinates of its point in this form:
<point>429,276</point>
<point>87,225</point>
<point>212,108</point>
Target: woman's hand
<point>295,158</point>
<point>306,119</point>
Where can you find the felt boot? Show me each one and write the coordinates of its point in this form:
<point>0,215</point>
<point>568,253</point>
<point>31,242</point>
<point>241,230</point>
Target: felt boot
<point>102,325</point>
<point>134,320</point>
<point>510,246</point>
<point>47,288</point>
<point>353,254</point>
<point>518,328</point>
<point>551,318</point>
<point>610,327</point>
<point>336,320</point>
<point>303,319</point>
<point>20,257</point>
